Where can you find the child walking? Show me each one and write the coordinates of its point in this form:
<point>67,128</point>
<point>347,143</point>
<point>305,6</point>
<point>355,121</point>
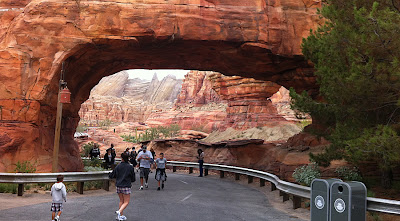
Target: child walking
<point>161,176</point>
<point>59,194</point>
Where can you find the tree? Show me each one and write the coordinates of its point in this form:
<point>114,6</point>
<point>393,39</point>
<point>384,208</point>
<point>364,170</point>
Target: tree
<point>356,55</point>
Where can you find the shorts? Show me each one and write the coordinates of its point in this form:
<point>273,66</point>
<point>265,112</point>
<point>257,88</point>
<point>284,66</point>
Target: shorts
<point>124,190</point>
<point>56,207</point>
<point>144,172</point>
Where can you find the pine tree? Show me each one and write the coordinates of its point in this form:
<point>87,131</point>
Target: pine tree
<point>356,54</point>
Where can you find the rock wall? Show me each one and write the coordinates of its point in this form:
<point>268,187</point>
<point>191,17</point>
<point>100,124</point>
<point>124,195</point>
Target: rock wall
<point>270,157</point>
<point>211,101</point>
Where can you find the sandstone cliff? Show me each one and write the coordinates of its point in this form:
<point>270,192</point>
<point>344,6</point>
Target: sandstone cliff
<point>120,99</point>
<point>211,101</point>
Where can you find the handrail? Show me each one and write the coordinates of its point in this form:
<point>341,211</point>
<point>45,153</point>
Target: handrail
<point>20,178</point>
<point>373,204</point>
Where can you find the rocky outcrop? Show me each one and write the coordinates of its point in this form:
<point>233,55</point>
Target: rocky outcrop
<point>211,101</point>
<point>266,157</point>
<point>113,86</point>
<point>197,90</point>
<point>120,99</point>
<point>259,39</point>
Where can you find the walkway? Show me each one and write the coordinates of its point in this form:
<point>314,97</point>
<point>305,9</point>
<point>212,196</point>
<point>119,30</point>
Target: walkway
<point>185,197</point>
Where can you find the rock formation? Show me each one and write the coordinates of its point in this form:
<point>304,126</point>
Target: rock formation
<point>120,99</point>
<point>211,101</point>
<point>266,157</point>
<point>258,39</point>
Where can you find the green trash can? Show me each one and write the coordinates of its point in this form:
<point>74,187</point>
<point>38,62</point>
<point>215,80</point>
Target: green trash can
<point>348,201</point>
<point>320,198</point>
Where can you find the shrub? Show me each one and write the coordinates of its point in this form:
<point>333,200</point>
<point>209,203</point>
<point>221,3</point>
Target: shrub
<point>95,162</point>
<point>25,167</point>
<point>93,168</point>
<point>93,184</point>
<point>306,174</point>
<point>105,124</point>
<point>86,149</point>
<point>8,188</point>
<point>153,133</point>
<point>348,174</point>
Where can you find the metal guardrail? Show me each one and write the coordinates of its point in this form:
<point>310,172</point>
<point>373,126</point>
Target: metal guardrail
<point>78,177</point>
<point>287,189</point>
<point>20,178</point>
<point>295,190</point>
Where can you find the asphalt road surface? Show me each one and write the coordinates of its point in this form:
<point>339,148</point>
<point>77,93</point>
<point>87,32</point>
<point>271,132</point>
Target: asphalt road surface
<point>184,198</point>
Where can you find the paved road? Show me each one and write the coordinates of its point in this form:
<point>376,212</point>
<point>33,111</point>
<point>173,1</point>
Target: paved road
<point>184,198</point>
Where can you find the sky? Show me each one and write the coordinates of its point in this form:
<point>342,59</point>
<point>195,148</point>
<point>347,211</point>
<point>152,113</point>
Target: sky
<point>148,74</point>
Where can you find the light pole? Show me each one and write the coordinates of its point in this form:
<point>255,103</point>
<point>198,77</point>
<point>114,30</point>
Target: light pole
<point>63,98</point>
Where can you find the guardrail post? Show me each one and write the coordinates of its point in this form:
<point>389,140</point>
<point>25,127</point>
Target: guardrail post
<point>20,189</point>
<point>205,172</point>
<point>174,169</point>
<point>106,185</point>
<point>249,179</point>
<point>273,187</point>
<point>79,187</point>
<point>237,176</point>
<point>296,202</point>
<point>285,196</point>
<point>190,169</point>
<point>221,174</point>
<point>262,182</point>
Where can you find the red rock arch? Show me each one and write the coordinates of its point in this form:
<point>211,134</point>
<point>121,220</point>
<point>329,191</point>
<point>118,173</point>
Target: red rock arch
<point>251,38</point>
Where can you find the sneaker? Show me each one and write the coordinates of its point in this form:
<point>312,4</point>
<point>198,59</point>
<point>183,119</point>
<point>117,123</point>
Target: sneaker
<point>118,215</point>
<point>122,217</point>
<point>158,188</point>
<point>162,185</point>
<point>146,185</point>
<point>57,218</point>
<point>141,188</point>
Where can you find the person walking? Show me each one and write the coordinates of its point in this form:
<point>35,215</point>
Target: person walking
<point>109,160</point>
<point>145,159</point>
<point>124,175</point>
<point>200,157</point>
<point>59,194</point>
<point>161,176</point>
<point>132,157</point>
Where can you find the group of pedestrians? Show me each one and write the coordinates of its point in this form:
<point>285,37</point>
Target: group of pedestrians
<point>124,173</point>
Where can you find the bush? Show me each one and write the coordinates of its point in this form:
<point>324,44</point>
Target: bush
<point>81,128</point>
<point>86,149</point>
<point>8,188</point>
<point>306,174</point>
<point>93,168</point>
<point>348,174</point>
<point>25,167</point>
<point>93,184</point>
<point>105,124</point>
<point>153,133</point>
<point>95,162</point>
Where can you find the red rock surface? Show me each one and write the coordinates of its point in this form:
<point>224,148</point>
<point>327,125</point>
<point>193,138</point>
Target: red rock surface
<point>266,157</point>
<point>120,99</point>
<point>97,38</point>
<point>211,101</point>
